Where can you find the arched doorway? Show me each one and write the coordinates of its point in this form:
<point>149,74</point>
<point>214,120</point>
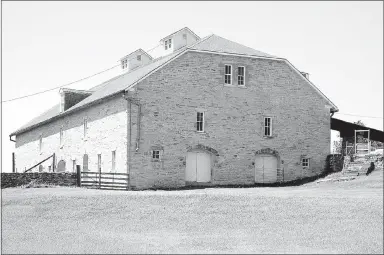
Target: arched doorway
<point>266,165</point>
<point>199,164</point>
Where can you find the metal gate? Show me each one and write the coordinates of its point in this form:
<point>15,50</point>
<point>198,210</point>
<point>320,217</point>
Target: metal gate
<point>104,180</point>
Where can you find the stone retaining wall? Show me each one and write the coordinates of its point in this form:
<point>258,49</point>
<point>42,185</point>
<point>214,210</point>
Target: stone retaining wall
<point>17,179</point>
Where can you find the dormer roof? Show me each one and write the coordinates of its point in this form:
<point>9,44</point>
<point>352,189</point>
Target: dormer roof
<point>185,29</point>
<point>138,51</point>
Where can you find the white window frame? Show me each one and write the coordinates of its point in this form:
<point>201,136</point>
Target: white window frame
<point>305,162</point>
<point>155,155</point>
<point>266,126</point>
<point>169,43</point>
<point>230,75</point>
<point>201,121</point>
<point>113,160</point>
<point>99,162</point>
<point>41,144</point>
<point>138,57</point>
<point>61,137</point>
<point>238,76</point>
<point>166,44</point>
<point>85,128</point>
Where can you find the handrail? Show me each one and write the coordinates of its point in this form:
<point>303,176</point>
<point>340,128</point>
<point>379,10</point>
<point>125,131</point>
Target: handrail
<point>39,163</point>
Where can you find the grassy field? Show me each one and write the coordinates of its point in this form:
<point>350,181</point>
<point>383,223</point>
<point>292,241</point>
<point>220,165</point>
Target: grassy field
<point>342,217</point>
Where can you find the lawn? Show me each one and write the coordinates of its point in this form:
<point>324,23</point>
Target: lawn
<point>328,217</point>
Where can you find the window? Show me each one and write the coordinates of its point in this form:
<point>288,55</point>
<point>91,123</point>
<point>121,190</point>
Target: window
<point>240,75</point>
<point>156,155</point>
<point>61,137</point>
<point>305,162</point>
<point>268,126</point>
<point>139,57</point>
<point>185,36</point>
<point>124,63</point>
<point>228,74</point>
<point>113,160</point>
<point>41,143</point>
<point>99,162</point>
<point>168,44</point>
<point>85,126</point>
<point>200,122</point>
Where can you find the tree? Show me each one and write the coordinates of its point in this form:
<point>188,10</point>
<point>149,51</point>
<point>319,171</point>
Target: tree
<point>359,122</point>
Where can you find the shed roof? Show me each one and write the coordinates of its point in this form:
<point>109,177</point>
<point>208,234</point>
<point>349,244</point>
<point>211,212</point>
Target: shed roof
<point>347,129</point>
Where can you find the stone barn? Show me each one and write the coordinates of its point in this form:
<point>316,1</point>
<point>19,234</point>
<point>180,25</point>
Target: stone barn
<point>207,111</point>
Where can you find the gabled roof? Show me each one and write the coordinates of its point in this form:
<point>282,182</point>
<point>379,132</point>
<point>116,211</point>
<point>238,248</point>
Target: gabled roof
<point>178,31</point>
<point>213,44</point>
<point>138,51</point>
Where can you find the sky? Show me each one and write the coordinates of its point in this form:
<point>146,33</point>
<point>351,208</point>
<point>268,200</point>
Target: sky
<point>49,44</point>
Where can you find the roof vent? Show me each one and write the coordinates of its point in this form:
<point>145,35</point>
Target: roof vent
<point>70,97</point>
<point>306,75</point>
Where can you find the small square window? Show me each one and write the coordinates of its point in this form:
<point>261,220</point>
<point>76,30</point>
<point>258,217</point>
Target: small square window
<point>305,162</point>
<point>156,154</point>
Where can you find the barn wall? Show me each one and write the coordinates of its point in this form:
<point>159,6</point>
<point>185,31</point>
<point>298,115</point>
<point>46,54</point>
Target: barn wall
<point>234,119</point>
<point>106,132</point>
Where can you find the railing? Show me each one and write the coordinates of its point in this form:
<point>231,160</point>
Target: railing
<point>104,180</point>
<point>53,163</point>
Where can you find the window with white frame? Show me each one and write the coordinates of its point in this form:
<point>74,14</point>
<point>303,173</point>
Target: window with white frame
<point>41,143</point>
<point>99,162</point>
<point>113,160</point>
<point>124,63</point>
<point>240,75</point>
<point>305,162</point>
<point>61,137</point>
<point>156,155</point>
<point>85,127</point>
<point>168,44</point>
<point>267,126</point>
<point>138,57</point>
<point>200,122</point>
<point>228,74</point>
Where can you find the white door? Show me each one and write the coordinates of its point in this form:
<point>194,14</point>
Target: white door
<point>265,169</point>
<point>190,171</point>
<point>198,167</point>
<point>203,167</point>
<point>270,169</point>
<point>259,171</point>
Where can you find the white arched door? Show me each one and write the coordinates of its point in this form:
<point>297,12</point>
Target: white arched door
<point>198,167</point>
<point>265,169</point>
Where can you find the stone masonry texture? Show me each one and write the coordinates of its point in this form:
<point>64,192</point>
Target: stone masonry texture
<point>169,100</point>
<point>18,179</point>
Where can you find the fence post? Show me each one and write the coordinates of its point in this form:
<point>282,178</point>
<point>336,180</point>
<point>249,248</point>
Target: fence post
<point>53,162</point>
<point>78,175</point>
<point>13,163</point>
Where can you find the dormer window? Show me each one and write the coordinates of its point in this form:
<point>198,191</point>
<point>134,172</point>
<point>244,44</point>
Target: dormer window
<point>168,44</point>
<point>124,63</point>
